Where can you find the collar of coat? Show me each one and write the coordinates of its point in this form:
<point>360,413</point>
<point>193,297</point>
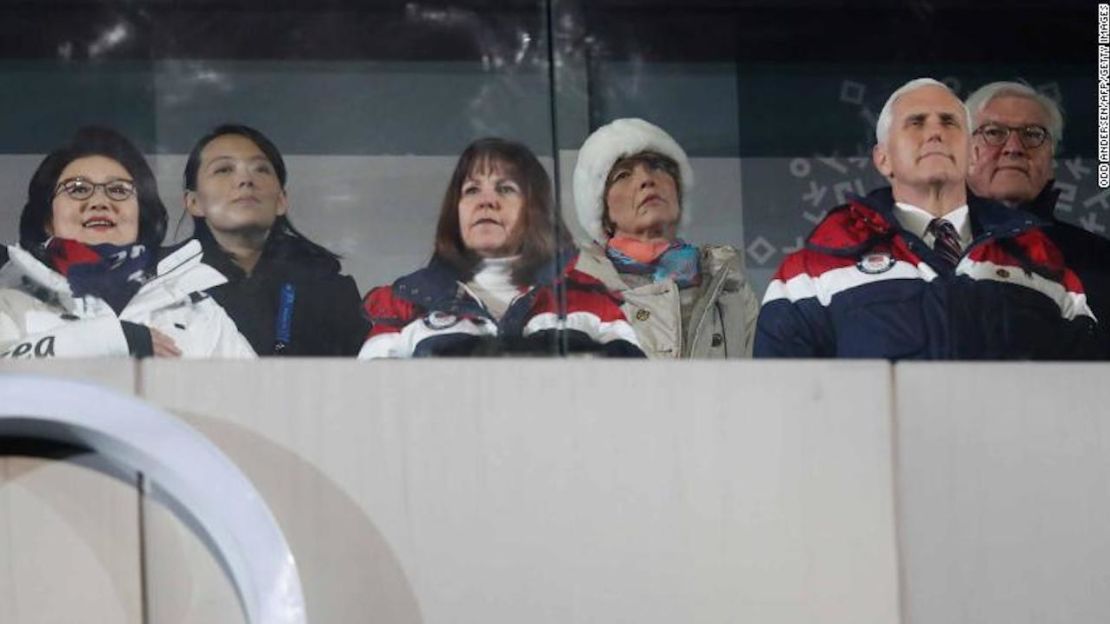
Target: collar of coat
<point>283,255</point>
<point>436,286</point>
<point>178,276</point>
<point>715,260</point>
<point>1044,204</point>
<point>862,223</point>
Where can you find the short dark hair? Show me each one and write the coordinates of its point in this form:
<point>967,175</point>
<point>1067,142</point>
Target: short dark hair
<point>282,227</point>
<point>651,159</point>
<point>543,226</point>
<point>92,141</point>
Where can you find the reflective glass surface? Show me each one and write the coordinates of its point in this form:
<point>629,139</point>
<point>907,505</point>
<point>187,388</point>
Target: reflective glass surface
<point>371,103</point>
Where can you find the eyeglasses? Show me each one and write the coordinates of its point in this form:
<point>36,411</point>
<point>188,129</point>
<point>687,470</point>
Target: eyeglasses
<point>82,189</point>
<point>1031,136</point>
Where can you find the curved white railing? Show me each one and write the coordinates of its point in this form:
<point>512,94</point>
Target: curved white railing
<point>183,465</point>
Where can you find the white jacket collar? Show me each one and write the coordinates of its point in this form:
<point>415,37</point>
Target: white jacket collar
<point>177,277</point>
<point>184,268</point>
<point>22,265</point>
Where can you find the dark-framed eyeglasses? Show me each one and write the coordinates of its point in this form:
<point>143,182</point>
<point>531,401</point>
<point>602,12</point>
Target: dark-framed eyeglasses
<point>82,189</point>
<point>1031,136</point>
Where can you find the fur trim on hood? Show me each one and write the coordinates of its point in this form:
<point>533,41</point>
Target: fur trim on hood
<point>603,148</point>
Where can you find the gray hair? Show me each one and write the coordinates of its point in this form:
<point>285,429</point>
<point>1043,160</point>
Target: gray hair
<point>886,117</point>
<point>985,94</point>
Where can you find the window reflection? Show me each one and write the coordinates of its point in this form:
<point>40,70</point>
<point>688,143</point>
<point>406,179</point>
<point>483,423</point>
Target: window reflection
<point>371,102</point>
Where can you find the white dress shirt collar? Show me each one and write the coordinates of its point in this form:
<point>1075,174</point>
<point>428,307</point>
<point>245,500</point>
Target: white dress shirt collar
<point>917,221</point>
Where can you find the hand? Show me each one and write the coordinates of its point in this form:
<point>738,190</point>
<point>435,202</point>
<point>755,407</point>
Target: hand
<point>164,346</point>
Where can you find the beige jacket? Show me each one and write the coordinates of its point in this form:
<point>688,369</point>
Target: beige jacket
<point>723,323</point>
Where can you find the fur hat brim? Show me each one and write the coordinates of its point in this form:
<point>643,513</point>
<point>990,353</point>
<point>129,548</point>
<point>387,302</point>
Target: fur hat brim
<point>602,149</point>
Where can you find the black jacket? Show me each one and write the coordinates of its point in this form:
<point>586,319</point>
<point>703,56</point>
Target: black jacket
<point>295,281</point>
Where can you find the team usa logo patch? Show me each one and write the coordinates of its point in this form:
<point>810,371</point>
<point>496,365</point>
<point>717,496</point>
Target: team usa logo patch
<point>440,320</point>
<point>876,262</point>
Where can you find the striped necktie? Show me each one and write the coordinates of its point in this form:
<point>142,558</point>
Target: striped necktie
<point>947,242</point>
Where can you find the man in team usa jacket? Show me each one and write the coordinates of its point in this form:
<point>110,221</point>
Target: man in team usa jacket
<point>923,269</point>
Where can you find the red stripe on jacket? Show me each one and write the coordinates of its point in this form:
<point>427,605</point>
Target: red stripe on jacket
<point>387,313</point>
<point>845,228</point>
<point>1039,249</point>
<point>584,294</point>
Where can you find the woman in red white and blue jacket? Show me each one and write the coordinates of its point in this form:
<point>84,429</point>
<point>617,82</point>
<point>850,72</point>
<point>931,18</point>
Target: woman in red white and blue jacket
<point>498,282</point>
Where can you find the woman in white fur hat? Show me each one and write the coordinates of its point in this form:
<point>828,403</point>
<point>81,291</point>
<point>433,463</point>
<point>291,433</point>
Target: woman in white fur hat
<point>683,300</point>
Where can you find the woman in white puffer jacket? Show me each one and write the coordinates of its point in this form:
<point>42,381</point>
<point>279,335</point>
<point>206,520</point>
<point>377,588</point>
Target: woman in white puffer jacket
<point>86,278</point>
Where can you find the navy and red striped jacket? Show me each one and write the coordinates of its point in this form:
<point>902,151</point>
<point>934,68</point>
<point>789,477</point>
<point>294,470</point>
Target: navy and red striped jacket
<point>430,313</point>
<point>862,286</point>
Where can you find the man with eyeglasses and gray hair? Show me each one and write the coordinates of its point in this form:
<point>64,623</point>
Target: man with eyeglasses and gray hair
<point>1017,132</point>
<point>922,269</point>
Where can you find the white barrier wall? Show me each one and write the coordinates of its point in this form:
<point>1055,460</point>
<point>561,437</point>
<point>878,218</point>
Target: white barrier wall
<point>1004,483</point>
<point>554,491</point>
<point>594,491</point>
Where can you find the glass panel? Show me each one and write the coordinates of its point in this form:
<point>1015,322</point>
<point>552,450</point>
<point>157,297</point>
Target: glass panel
<point>369,103</point>
<point>776,103</point>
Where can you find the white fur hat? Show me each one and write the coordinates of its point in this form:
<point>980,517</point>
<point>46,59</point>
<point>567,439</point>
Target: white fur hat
<point>602,149</point>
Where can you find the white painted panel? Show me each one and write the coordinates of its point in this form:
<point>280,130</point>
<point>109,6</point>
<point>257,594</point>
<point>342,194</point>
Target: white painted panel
<point>69,547</point>
<point>115,373</point>
<point>15,172</point>
<point>1004,485</point>
<point>565,491</point>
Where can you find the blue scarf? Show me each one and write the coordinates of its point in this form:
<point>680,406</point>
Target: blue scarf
<point>112,272</point>
<point>679,262</point>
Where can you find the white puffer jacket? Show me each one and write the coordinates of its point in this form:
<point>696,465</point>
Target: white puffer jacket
<point>40,316</point>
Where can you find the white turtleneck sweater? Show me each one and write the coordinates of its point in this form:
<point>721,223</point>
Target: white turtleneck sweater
<point>493,285</point>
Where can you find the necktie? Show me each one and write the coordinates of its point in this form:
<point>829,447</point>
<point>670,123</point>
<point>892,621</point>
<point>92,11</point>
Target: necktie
<point>947,242</point>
